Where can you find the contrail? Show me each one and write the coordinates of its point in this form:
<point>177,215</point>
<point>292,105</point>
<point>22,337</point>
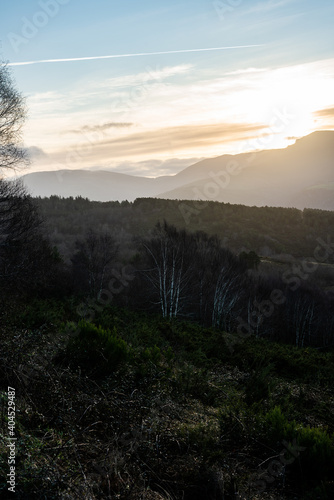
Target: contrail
<point>141,54</point>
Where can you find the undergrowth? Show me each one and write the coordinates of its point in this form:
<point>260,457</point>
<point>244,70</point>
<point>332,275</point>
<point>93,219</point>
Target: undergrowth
<point>130,406</point>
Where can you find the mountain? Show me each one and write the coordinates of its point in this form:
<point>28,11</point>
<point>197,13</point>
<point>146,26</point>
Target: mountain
<point>301,175</point>
<point>97,185</point>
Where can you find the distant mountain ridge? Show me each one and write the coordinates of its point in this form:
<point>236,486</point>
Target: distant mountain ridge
<point>301,176</point>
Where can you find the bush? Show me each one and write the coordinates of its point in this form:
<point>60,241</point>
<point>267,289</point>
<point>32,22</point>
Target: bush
<point>41,312</point>
<point>96,349</point>
<point>277,428</point>
<point>287,361</point>
<point>316,458</point>
<point>259,385</point>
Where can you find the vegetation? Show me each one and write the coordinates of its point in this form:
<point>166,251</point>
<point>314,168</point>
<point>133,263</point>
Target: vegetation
<point>268,231</point>
<point>133,406</point>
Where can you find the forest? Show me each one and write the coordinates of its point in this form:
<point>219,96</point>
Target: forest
<point>268,271</point>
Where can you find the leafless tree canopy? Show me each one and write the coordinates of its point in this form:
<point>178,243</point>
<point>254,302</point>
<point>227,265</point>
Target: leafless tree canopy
<point>18,215</point>
<point>12,115</point>
<point>93,262</point>
<point>194,269</point>
<point>19,231</point>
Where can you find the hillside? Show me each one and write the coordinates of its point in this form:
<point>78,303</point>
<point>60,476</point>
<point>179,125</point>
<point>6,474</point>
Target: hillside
<point>297,176</point>
<point>265,230</point>
<point>162,409</point>
<point>97,185</point>
<point>281,177</point>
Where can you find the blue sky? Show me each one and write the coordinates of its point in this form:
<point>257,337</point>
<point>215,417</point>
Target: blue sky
<point>155,114</point>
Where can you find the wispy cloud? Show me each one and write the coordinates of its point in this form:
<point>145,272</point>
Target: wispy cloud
<point>173,139</point>
<point>246,71</point>
<point>36,153</point>
<point>325,113</point>
<point>324,118</point>
<point>96,92</point>
<point>268,6</point>
<point>152,74</point>
<point>100,128</point>
<point>154,168</point>
<point>140,54</point>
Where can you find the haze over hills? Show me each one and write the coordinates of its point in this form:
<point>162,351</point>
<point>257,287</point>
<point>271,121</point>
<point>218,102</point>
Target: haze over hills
<point>301,175</point>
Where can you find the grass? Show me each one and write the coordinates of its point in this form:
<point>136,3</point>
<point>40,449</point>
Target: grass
<point>134,406</point>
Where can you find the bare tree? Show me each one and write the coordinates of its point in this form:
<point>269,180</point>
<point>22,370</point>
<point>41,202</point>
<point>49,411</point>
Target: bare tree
<point>94,260</point>
<point>18,215</point>
<point>169,272</point>
<point>228,293</point>
<point>12,115</point>
<point>217,281</point>
<point>25,254</point>
<point>301,319</point>
<point>192,274</point>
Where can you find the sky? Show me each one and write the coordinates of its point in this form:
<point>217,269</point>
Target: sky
<point>148,88</point>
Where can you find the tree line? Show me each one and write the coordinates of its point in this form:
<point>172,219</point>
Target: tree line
<point>192,276</point>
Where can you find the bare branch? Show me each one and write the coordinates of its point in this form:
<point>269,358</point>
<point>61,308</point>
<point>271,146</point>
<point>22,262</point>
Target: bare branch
<point>12,116</point>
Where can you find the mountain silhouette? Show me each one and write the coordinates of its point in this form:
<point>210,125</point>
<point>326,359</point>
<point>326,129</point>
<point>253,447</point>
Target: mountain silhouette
<point>301,175</point>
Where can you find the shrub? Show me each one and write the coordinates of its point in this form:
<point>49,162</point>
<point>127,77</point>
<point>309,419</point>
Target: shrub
<point>259,385</point>
<point>277,427</point>
<point>41,312</point>
<point>236,421</point>
<point>96,349</point>
<point>318,457</point>
<point>316,461</point>
<point>152,354</point>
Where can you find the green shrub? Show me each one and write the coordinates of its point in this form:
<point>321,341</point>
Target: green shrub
<point>41,312</point>
<point>152,354</point>
<point>193,381</point>
<point>236,421</point>
<point>288,361</point>
<point>96,349</point>
<point>259,385</point>
<point>137,328</point>
<point>316,460</point>
<point>277,428</point>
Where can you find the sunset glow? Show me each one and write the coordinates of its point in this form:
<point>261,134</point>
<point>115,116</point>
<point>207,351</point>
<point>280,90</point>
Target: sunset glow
<point>170,99</point>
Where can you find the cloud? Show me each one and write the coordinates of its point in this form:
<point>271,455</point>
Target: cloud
<point>325,113</point>
<point>324,118</point>
<point>172,139</point>
<point>98,98</point>
<point>151,75</point>
<point>268,6</point>
<point>246,71</point>
<point>36,153</point>
<point>155,168</point>
<point>101,128</point>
